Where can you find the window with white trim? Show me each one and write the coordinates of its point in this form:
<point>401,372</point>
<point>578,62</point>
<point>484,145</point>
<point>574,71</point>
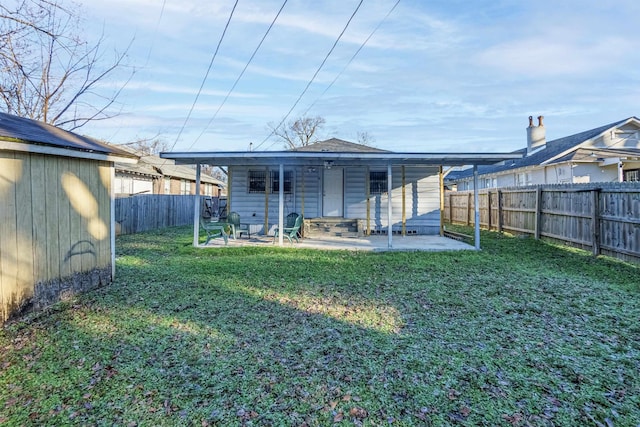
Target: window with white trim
<point>185,187</point>
<point>632,175</point>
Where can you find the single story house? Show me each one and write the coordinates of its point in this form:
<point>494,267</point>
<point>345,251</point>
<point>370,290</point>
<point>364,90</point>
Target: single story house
<point>153,175</point>
<point>57,234</point>
<point>609,153</point>
<point>382,191</point>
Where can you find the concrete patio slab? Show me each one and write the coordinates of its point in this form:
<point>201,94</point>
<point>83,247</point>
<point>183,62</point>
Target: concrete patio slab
<point>370,244</point>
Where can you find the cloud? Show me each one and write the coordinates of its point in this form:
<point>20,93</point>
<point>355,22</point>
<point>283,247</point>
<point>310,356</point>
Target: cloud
<point>557,53</point>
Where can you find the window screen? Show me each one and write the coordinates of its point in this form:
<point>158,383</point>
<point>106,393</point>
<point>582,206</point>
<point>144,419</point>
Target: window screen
<point>377,182</point>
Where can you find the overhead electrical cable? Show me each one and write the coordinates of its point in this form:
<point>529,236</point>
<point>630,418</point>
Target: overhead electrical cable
<point>312,78</point>
<point>155,33</point>
<point>352,58</point>
<point>240,76</point>
<point>205,76</point>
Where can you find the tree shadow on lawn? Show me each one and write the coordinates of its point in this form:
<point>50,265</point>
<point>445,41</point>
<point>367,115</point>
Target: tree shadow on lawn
<point>202,340</point>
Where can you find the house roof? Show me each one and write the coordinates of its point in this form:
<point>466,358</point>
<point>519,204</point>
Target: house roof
<point>27,135</point>
<point>559,147</point>
<point>338,153</point>
<point>339,145</point>
<point>154,166</point>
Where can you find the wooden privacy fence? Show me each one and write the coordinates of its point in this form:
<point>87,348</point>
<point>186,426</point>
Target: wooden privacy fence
<point>604,219</point>
<point>147,212</point>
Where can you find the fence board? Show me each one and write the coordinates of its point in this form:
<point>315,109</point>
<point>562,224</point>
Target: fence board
<point>148,212</point>
<point>604,218</point>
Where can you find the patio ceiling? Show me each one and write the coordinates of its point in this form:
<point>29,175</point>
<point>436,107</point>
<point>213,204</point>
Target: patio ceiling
<point>256,158</point>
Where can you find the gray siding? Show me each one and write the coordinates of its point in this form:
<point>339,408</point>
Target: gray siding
<point>422,198</point>
<point>251,206</point>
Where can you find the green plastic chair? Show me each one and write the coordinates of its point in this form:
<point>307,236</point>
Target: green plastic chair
<point>291,228</point>
<point>238,229</point>
<point>214,229</point>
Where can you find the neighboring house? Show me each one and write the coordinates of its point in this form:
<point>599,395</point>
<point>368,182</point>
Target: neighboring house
<point>609,153</point>
<point>153,175</point>
<point>56,213</point>
<point>336,179</point>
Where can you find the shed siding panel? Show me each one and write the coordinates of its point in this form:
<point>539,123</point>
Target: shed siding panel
<point>52,181</point>
<point>24,221</point>
<point>39,229</point>
<point>54,223</point>
<point>64,214</point>
<point>75,222</point>
<point>11,290</point>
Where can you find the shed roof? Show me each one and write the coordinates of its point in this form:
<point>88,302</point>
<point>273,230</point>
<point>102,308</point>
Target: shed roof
<point>22,134</point>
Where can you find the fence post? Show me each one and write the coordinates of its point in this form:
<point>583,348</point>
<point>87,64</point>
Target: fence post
<point>470,195</point>
<point>450,208</point>
<point>538,218</point>
<point>499,211</point>
<point>489,210</point>
<point>595,221</point>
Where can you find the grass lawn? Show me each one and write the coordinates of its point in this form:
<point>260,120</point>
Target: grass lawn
<point>521,333</point>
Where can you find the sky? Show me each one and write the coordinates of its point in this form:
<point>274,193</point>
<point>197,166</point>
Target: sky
<point>425,76</point>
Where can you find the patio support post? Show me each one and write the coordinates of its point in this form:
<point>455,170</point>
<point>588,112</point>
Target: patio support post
<point>441,185</point>
<point>389,210</point>
<point>302,196</point>
<point>404,203</point>
<point>196,208</point>
<point>476,208</point>
<point>281,204</point>
<point>368,185</point>
<point>267,183</point>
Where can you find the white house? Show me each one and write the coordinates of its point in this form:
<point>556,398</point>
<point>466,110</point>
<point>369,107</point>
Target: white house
<point>383,191</point>
<point>609,153</point>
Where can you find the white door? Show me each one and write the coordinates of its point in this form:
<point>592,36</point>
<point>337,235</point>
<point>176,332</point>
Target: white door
<point>332,192</point>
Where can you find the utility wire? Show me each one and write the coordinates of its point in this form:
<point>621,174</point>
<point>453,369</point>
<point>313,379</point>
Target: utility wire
<point>205,76</point>
<point>239,77</point>
<point>312,78</point>
<point>352,58</point>
<point>155,33</point>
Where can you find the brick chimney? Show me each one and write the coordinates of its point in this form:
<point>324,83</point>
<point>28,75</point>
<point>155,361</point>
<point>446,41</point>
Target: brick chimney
<point>536,136</point>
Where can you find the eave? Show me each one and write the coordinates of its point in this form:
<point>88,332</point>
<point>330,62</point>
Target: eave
<point>266,158</point>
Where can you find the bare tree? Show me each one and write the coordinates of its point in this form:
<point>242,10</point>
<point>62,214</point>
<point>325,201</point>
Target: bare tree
<point>48,72</point>
<point>151,146</point>
<point>300,132</point>
<point>365,138</point>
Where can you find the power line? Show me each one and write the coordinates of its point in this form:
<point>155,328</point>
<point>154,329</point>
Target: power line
<point>205,76</point>
<point>352,58</point>
<point>239,77</point>
<point>314,76</point>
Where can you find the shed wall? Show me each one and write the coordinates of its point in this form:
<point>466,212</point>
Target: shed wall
<point>55,222</point>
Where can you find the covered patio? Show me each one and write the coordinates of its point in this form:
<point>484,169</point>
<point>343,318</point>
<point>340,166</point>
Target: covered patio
<point>359,244</point>
<point>380,159</point>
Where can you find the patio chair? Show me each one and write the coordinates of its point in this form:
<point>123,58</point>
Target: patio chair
<point>238,229</point>
<point>215,229</point>
<point>291,228</point>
